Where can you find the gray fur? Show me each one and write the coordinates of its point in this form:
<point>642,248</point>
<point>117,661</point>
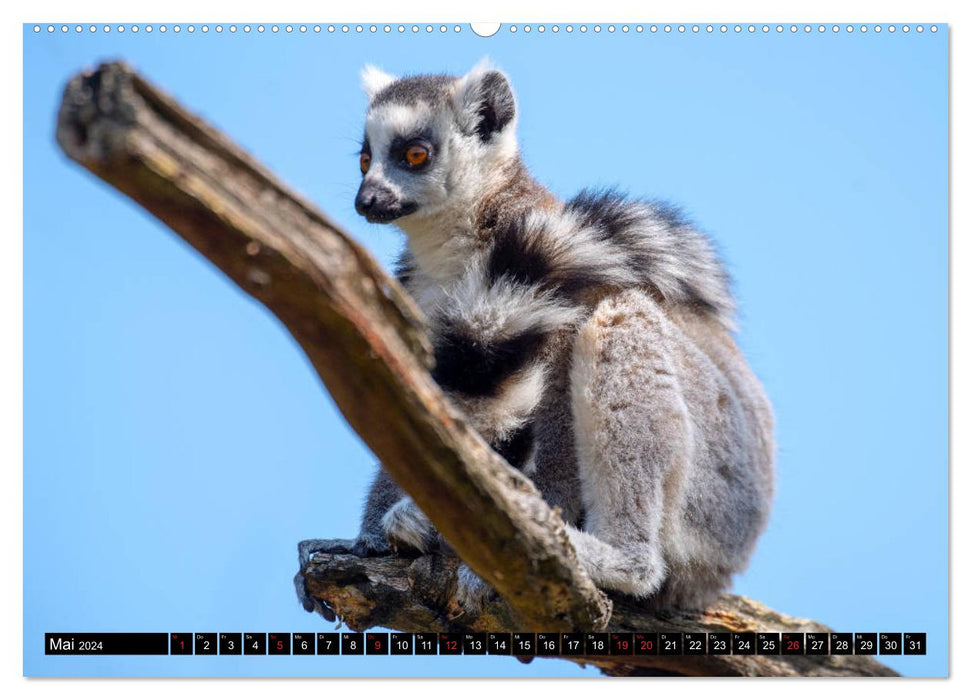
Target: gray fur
<point>382,495</point>
<point>590,341</point>
<point>415,89</point>
<point>405,525</point>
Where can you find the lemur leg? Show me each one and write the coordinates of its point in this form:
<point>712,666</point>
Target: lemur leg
<point>471,592</point>
<point>405,526</point>
<point>384,493</point>
<point>633,438</point>
<point>392,520</point>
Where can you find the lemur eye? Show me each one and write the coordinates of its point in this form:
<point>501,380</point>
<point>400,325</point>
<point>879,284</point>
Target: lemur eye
<point>416,155</point>
<point>365,162</point>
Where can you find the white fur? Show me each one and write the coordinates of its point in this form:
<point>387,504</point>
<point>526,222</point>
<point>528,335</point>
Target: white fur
<point>374,80</point>
<point>498,417</point>
<point>503,309</point>
<point>441,256</point>
<point>466,102</point>
<point>578,247</point>
<point>460,93</point>
<point>404,523</point>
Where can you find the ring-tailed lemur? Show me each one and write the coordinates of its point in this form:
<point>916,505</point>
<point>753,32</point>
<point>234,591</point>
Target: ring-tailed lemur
<point>588,341</point>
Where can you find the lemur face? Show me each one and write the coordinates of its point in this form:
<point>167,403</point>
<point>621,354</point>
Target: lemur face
<point>432,142</point>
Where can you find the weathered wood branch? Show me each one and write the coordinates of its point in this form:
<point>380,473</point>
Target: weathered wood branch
<point>417,595</point>
<point>368,343</point>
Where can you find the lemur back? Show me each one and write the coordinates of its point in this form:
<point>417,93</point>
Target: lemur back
<point>588,341</point>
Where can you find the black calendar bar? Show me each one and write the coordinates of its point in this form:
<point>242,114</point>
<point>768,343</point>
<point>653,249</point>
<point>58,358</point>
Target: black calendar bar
<point>106,643</point>
<point>522,644</point>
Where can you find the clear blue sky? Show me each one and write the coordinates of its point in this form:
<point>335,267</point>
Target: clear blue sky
<point>177,444</point>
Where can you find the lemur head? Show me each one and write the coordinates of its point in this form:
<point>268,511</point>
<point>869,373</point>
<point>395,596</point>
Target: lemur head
<point>433,143</point>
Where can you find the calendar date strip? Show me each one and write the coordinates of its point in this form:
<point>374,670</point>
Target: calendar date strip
<point>519,644</point>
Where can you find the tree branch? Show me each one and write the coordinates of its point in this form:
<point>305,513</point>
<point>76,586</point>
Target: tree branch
<point>368,342</point>
<point>417,595</point>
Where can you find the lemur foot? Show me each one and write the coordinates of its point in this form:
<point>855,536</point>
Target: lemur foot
<point>363,546</point>
<point>407,527</point>
<point>306,550</point>
<point>370,546</point>
<point>473,593</point>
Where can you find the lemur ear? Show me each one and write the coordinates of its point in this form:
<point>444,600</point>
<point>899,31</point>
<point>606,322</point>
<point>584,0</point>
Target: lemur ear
<point>484,101</point>
<point>374,80</point>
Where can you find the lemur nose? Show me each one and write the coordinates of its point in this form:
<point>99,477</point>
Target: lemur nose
<point>364,201</point>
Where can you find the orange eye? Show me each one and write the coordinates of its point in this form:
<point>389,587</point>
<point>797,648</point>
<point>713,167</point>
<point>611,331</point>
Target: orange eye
<point>416,155</point>
<point>365,162</point>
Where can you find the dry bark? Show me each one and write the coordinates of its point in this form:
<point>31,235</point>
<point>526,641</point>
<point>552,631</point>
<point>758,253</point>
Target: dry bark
<point>368,343</point>
<point>418,595</point>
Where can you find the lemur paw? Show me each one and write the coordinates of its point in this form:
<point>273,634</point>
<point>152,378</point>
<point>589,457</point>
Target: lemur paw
<point>370,545</point>
<point>307,548</point>
<point>472,593</point>
<point>407,527</point>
